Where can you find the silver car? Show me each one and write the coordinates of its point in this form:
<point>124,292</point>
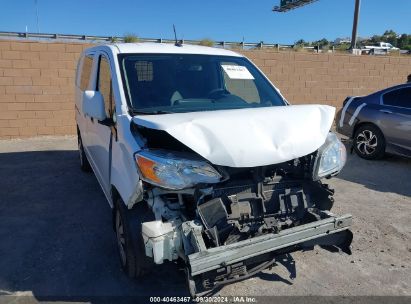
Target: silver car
<point>378,123</point>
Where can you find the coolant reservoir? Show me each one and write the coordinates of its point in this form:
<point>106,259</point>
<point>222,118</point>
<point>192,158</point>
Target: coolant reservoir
<point>160,241</point>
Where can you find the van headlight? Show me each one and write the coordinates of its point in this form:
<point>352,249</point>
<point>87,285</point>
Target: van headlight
<point>173,170</point>
<point>331,158</point>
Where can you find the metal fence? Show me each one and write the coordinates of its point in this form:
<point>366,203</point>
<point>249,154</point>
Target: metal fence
<point>220,44</point>
<point>105,39</point>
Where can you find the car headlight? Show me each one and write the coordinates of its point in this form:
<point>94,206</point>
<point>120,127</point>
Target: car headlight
<point>174,170</point>
<point>331,158</point>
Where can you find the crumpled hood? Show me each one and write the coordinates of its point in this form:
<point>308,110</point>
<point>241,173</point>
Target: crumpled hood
<point>248,137</point>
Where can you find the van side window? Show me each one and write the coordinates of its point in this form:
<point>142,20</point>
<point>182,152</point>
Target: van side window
<point>105,87</point>
<point>86,72</point>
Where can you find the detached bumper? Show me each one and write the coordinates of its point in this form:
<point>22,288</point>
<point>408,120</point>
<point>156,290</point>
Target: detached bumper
<point>329,231</point>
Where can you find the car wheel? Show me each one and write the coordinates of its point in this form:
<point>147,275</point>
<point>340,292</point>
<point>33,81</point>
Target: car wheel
<point>84,164</point>
<point>129,237</point>
<point>369,142</point>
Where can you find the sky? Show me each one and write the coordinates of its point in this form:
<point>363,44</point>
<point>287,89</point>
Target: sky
<point>219,20</point>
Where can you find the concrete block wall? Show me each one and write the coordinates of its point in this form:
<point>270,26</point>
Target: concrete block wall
<point>37,81</point>
<point>36,88</point>
<point>329,78</point>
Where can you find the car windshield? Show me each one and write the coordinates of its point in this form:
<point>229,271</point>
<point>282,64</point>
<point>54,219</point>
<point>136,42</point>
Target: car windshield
<point>171,83</point>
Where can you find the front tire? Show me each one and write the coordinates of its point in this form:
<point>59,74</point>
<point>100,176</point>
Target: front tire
<point>369,142</point>
<point>128,228</point>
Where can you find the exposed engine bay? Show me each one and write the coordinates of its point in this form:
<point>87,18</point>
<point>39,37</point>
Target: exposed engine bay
<point>258,201</point>
<point>201,224</point>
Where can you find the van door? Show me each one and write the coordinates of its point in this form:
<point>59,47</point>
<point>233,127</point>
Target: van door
<point>100,133</point>
<point>84,81</point>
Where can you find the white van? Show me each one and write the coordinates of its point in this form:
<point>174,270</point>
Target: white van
<point>202,159</point>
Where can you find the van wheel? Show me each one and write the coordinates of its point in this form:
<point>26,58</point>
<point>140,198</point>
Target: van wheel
<point>129,237</point>
<point>369,142</point>
<point>84,164</point>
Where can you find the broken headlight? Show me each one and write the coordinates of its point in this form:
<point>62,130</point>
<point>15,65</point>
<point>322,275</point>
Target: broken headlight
<point>174,170</point>
<point>331,158</point>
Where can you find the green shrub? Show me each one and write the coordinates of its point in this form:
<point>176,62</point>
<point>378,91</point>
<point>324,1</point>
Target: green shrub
<point>206,42</point>
<point>130,38</point>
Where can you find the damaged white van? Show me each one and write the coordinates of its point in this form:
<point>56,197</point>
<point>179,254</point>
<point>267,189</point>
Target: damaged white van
<point>203,160</point>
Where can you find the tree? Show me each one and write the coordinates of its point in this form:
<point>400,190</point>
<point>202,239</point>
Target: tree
<point>404,42</point>
<point>300,42</point>
<point>391,37</point>
<point>390,33</point>
<point>322,43</point>
<point>376,39</point>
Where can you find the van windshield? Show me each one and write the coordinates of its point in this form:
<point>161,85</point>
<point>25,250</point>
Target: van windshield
<point>175,83</point>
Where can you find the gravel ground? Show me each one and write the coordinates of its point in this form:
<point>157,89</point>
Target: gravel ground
<point>57,240</point>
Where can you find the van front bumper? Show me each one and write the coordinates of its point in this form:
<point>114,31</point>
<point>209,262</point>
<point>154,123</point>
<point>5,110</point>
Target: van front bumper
<point>331,231</point>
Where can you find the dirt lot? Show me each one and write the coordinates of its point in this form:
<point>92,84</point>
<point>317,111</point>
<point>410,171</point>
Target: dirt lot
<point>57,239</point>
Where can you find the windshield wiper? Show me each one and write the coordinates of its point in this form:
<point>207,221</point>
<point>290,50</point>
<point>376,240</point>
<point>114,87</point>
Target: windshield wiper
<point>154,112</point>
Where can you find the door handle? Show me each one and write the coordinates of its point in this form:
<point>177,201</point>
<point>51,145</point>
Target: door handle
<point>386,111</point>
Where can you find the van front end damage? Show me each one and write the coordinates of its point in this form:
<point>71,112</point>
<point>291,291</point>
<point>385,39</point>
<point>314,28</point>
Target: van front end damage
<point>236,228</point>
<point>228,263</point>
<point>229,207</point>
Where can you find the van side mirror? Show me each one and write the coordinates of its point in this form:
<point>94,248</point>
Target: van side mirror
<point>93,105</point>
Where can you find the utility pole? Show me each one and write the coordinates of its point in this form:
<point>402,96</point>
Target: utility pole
<point>355,25</point>
<point>37,16</point>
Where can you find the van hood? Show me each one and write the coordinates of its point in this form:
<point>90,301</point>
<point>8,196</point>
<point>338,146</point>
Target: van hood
<point>248,137</point>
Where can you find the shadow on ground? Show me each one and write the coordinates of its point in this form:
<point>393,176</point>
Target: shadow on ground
<point>390,174</point>
<point>56,234</point>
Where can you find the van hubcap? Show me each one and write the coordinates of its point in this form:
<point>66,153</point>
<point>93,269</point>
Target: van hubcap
<point>121,241</point>
<point>367,142</point>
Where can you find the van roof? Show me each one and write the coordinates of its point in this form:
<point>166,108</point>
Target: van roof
<point>167,48</point>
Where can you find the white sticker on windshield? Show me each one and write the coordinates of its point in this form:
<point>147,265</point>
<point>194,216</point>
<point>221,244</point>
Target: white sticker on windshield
<point>237,71</point>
